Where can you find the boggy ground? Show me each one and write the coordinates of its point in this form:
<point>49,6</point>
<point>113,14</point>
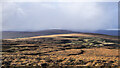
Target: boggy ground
<point>61,50</point>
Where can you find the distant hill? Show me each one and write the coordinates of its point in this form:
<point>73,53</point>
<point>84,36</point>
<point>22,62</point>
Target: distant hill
<point>21,34</point>
<point>108,32</point>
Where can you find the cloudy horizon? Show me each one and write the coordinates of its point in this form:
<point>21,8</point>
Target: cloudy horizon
<point>32,16</point>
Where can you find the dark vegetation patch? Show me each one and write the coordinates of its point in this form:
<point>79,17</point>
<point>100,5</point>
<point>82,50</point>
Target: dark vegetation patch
<point>28,42</point>
<point>6,47</point>
<point>33,54</point>
<point>69,36</point>
<point>25,50</point>
<point>26,46</point>
<point>64,41</point>
<point>77,53</point>
<point>8,51</point>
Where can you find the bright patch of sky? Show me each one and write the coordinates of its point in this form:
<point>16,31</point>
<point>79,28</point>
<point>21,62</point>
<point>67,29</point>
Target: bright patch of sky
<point>91,16</point>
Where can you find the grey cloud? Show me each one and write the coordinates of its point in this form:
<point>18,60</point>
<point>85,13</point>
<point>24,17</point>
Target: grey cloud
<point>73,16</point>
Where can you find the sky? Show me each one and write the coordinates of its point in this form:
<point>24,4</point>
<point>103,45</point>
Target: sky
<point>77,16</point>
